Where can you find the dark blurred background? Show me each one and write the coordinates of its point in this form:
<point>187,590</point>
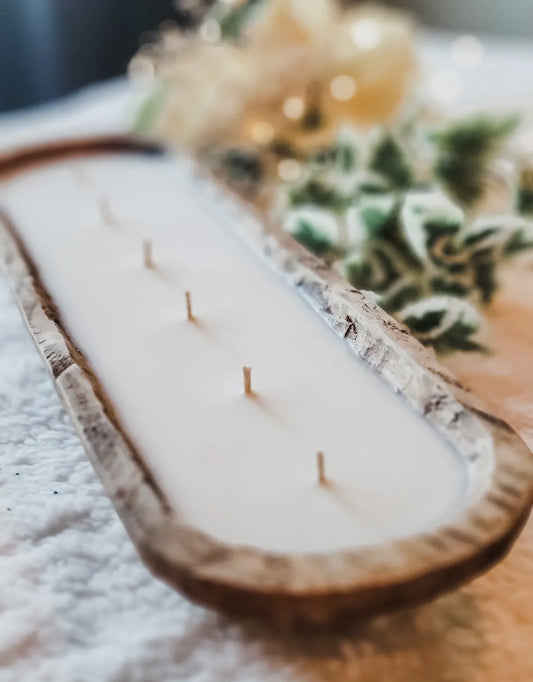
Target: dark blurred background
<point>51,47</point>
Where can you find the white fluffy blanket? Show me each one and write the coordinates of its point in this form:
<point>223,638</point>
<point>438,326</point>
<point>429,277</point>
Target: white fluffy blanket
<point>76,604</point>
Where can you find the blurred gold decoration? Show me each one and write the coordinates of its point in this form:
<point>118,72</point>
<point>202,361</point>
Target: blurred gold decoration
<point>295,70</point>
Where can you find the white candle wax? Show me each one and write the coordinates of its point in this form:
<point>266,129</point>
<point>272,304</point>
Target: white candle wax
<point>241,468</point>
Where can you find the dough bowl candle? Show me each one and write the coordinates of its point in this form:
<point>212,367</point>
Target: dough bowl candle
<point>257,462</point>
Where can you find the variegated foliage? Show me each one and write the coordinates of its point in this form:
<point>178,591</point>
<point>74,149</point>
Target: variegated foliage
<point>396,213</point>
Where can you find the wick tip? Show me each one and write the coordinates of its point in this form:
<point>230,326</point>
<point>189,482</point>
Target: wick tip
<point>188,303</point>
<point>321,468</point>
<point>247,376</point>
<point>106,213</point>
<point>147,253</point>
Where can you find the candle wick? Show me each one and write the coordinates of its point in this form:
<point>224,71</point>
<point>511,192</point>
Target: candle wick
<point>147,253</point>
<point>321,468</point>
<point>106,213</point>
<point>247,376</point>
<point>188,303</point>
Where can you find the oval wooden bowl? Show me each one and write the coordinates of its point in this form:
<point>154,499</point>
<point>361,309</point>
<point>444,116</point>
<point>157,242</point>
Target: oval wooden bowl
<point>289,589</point>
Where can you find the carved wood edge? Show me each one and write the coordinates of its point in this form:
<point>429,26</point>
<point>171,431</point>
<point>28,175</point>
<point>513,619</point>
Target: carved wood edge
<point>288,589</point>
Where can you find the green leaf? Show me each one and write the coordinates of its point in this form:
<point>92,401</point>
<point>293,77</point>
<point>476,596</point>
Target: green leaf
<point>485,279</point>
<point>346,158</point>
<point>496,236</point>
<point>426,217</point>
<point>375,266</point>
<point>463,176</point>
<point>525,200</point>
<point>317,193</point>
<point>464,150</point>
<point>149,110</point>
<point>232,19</point>
<point>389,160</point>
<point>317,230</point>
<point>520,241</point>
<point>398,295</point>
<point>444,322</point>
<point>458,337</point>
<point>525,191</point>
<point>347,150</point>
<point>441,284</point>
<point>425,322</point>
<point>370,183</point>
<point>475,135</point>
<point>378,213</point>
<point>474,237</point>
<point>358,271</point>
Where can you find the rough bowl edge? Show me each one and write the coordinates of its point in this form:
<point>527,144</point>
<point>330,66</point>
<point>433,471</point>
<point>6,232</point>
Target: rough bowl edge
<point>287,589</point>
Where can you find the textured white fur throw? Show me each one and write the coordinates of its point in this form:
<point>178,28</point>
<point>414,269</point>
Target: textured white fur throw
<point>76,604</point>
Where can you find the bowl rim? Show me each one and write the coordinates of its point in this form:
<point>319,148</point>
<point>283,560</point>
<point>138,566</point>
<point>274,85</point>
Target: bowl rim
<point>286,588</point>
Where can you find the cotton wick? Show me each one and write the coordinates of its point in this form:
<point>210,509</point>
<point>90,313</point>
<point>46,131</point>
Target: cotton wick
<point>188,304</point>
<point>247,376</point>
<point>321,468</point>
<point>147,254</point>
<point>108,217</point>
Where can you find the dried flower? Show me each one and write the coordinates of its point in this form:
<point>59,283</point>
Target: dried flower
<point>250,57</point>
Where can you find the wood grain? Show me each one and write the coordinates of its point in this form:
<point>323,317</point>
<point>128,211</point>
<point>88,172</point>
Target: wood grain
<point>289,589</point>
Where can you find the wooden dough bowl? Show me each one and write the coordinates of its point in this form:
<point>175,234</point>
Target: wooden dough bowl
<point>288,589</point>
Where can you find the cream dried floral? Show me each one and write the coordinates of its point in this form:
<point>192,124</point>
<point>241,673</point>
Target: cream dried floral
<point>291,58</point>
